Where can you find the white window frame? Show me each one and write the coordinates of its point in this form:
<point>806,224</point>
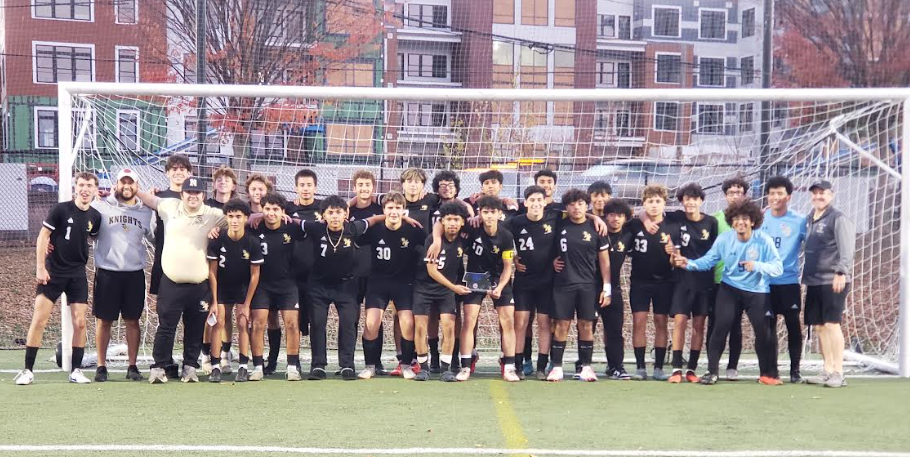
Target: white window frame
<point>138,115</point>
<point>741,117</point>
<point>742,31</point>
<point>35,45</point>
<point>416,110</point>
<point>92,133</point>
<point>716,10</point>
<point>117,60</point>
<point>599,66</point>
<point>656,63</point>
<point>406,71</point>
<point>615,25</point>
<point>654,9</point>
<point>678,111</point>
<point>742,81</point>
<point>430,26</point>
<point>91,14</point>
<point>117,12</point>
<point>723,72</point>
<point>721,125</point>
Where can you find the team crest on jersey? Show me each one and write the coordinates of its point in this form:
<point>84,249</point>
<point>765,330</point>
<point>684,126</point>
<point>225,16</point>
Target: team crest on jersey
<point>820,228</point>
<point>460,251</point>
<point>752,253</point>
<point>704,234</point>
<point>620,246</point>
<point>347,242</point>
<point>246,255</point>
<point>785,229</point>
<point>287,238</point>
<point>90,225</point>
<point>495,249</point>
<point>318,217</point>
<point>585,236</point>
<point>547,228</point>
<point>424,207</point>
<point>126,228</point>
<point>664,238</point>
<point>405,242</point>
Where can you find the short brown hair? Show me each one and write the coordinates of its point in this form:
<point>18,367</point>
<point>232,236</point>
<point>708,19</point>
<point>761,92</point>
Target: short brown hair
<point>178,160</point>
<point>261,178</point>
<point>654,190</point>
<point>227,172</point>
<point>413,173</point>
<point>394,197</point>
<point>363,174</point>
<point>85,176</point>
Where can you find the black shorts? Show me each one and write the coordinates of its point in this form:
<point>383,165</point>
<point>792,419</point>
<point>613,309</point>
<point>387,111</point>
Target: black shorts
<point>276,297</point>
<point>118,293</point>
<point>380,291</point>
<point>534,297</point>
<point>232,295</point>
<point>823,306</point>
<point>643,293</point>
<point>786,299</point>
<point>505,299</point>
<point>424,303</point>
<point>76,289</point>
<point>691,299</point>
<point>580,300</point>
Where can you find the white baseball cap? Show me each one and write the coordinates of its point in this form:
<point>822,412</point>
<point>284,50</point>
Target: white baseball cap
<point>128,172</point>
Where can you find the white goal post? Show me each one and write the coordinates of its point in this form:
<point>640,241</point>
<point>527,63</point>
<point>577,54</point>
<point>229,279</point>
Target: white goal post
<point>68,92</point>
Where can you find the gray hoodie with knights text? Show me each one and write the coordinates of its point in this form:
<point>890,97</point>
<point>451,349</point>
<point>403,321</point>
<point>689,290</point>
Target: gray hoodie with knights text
<point>119,246</point>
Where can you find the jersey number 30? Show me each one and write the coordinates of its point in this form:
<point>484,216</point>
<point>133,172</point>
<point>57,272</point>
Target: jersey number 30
<point>383,253</point>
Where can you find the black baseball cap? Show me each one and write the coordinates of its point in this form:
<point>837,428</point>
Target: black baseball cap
<point>193,184</point>
<point>823,185</point>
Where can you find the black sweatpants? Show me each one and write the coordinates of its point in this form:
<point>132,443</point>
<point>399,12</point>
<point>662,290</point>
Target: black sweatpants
<point>303,314</point>
<point>736,331</point>
<point>785,301</point>
<point>176,301</point>
<point>731,303</point>
<point>612,317</point>
<point>344,296</point>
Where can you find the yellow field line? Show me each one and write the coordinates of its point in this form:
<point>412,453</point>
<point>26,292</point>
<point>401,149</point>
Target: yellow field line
<point>508,421</point>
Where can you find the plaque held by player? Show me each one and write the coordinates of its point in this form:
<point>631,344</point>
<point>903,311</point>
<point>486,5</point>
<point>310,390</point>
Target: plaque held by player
<point>478,282</point>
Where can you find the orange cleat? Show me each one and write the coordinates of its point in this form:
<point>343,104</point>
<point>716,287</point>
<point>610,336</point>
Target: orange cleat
<point>692,377</point>
<point>769,381</point>
<point>676,377</point>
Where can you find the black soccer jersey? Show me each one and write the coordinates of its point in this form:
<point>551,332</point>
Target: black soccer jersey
<point>534,240</point>
<point>303,250</point>
<point>620,245</point>
<point>277,252</point>
<point>449,261</point>
<point>214,203</point>
<point>507,212</point>
<point>650,261</point>
<point>422,209</point>
<point>488,253</point>
<point>234,258</point>
<point>70,230</point>
<point>334,253</point>
<point>362,269</point>
<point>694,240</point>
<point>392,253</point>
<point>579,246</point>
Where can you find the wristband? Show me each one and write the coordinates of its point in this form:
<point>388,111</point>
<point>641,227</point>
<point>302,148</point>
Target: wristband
<point>608,289</point>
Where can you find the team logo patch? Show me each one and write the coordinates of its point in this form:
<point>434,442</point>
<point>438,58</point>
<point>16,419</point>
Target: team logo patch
<point>90,225</point>
<point>223,249</point>
<point>785,230</point>
<point>460,251</point>
<point>246,255</point>
<point>405,242</point>
<point>752,253</point>
<point>69,221</point>
<point>820,228</point>
<point>664,238</point>
<point>296,305</point>
<point>262,236</point>
<point>585,236</point>
<point>495,249</point>
<point>424,207</point>
<point>126,228</point>
<point>704,234</point>
<point>287,238</point>
<point>318,217</point>
<point>204,305</point>
<point>347,242</point>
<point>620,246</point>
<point>547,228</point>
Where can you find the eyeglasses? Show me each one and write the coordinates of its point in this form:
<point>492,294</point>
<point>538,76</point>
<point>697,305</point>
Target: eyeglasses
<point>735,193</point>
<point>445,185</point>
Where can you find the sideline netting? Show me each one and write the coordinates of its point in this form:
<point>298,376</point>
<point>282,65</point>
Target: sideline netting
<point>627,138</point>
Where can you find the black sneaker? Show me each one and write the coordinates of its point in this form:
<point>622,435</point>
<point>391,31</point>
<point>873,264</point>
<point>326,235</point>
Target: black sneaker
<point>172,372</point>
<point>216,375</point>
<point>132,373</point>
<point>318,374</point>
<point>795,377</point>
<point>455,366</point>
<point>578,367</point>
<point>347,374</point>
<point>709,379</point>
<point>380,370</point>
<point>243,375</point>
<point>101,374</point>
<point>447,376</point>
<point>619,374</point>
<point>270,368</point>
<point>434,364</point>
<point>338,372</point>
<point>422,376</point>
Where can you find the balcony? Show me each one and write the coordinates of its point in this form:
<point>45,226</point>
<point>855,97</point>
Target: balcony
<point>428,23</point>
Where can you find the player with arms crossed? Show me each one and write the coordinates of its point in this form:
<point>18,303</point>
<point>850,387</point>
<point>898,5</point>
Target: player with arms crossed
<point>235,258</point>
<point>750,261</point>
<point>68,227</point>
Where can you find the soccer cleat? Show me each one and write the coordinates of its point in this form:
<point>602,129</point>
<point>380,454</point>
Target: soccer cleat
<point>709,379</point>
<point>243,375</point>
<point>415,367</point>
<point>836,380</point>
<point>732,374</point>
<point>821,378</point>
<point>206,365</point>
<point>555,374</point>
<point>380,370</point>
<point>316,374</point>
<point>587,374</point>
<point>659,375</point>
<point>397,371</point>
<point>447,376</point>
<point>509,374</point>
<point>215,375</point>
<point>464,374</point>
<point>676,377</point>
<point>540,375</point>
<point>577,375</point>
<point>24,378</point>
<point>347,374</point>
<point>133,374</point>
<point>408,372</point>
<point>474,359</point>
<point>157,376</point>
<point>225,364</point>
<point>367,372</point>
<point>434,364</point>
<point>189,374</point>
<point>422,376</point>
<point>620,374</point>
<point>691,376</point>
<point>101,374</point>
<point>293,373</point>
<point>528,368</point>
<point>641,374</point>
<point>77,377</point>
<point>270,368</point>
<point>257,374</point>
<point>769,381</point>
<point>795,377</point>
<point>520,373</point>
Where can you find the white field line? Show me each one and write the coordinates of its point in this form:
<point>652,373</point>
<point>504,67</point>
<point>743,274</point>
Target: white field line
<point>437,451</point>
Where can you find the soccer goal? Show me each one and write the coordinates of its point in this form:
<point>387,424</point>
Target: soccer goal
<point>628,138</point>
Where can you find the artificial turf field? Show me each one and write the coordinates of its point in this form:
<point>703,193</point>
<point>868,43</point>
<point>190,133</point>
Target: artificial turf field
<point>484,415</point>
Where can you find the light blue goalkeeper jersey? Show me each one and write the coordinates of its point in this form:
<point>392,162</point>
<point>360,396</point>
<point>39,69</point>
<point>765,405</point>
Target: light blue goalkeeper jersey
<point>759,249</point>
<point>788,233</point>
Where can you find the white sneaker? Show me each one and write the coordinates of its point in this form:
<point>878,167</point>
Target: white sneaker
<point>24,378</point>
<point>189,374</point>
<point>464,374</point>
<point>225,364</point>
<point>206,365</point>
<point>157,376</point>
<point>293,373</point>
<point>257,373</point>
<point>509,374</point>
<point>587,374</point>
<point>408,373</point>
<point>555,374</point>
<point>732,374</point>
<point>367,372</point>
<point>77,377</point>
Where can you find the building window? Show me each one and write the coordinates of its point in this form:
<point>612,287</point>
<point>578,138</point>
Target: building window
<point>128,131</point>
<point>532,57</point>
<point>55,63</point>
<point>614,121</point>
<point>288,21</point>
<point>710,71</point>
<point>46,129</point>
<point>126,11</point>
<point>427,66</point>
<point>565,13</point>
<point>625,27</point>
<point>534,12</point>
<point>710,119</point>
<point>426,115</point>
<point>127,65</point>
<point>606,74</point>
<point>666,22</point>
<point>668,68</point>
<point>563,59</point>
<point>665,116</point>
<point>747,70</point>
<point>502,53</point>
<point>71,10</point>
<point>712,24</point>
<point>749,22</point>
<point>504,11</point>
<point>746,117</point>
<point>428,16</point>
<point>606,25</point>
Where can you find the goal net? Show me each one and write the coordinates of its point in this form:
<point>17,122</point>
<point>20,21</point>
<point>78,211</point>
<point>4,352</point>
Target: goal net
<point>627,138</point>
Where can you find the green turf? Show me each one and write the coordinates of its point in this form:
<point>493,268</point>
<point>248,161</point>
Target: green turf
<point>868,415</point>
